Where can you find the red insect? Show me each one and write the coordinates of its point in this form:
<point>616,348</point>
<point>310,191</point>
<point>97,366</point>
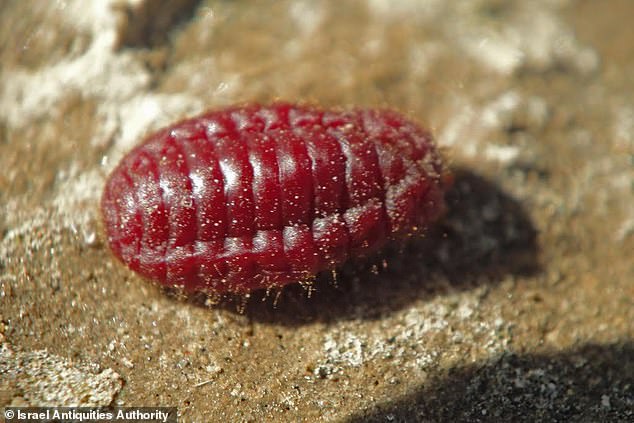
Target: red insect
<point>255,197</point>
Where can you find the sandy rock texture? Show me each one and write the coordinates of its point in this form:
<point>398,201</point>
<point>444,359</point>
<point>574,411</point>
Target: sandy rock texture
<point>519,305</point>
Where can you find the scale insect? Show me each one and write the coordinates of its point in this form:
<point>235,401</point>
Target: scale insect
<point>255,197</point>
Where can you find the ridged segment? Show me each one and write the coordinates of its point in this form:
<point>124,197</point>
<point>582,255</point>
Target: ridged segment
<point>253,197</point>
<point>153,245</point>
<point>122,217</point>
<point>238,179</point>
<point>295,178</point>
<point>328,173</point>
<point>267,195</point>
<point>208,193</point>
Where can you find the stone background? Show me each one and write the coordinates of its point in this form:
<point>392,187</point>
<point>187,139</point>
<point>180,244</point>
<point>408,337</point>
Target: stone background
<point>519,305</point>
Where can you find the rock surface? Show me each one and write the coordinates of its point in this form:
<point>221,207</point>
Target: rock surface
<point>518,305</point>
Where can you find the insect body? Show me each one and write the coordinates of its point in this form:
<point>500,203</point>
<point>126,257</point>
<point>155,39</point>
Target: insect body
<point>261,196</point>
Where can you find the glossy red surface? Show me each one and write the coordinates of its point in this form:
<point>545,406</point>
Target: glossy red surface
<point>254,197</point>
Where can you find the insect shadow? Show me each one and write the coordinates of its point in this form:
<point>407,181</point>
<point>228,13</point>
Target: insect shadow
<point>591,383</point>
<point>484,237</point>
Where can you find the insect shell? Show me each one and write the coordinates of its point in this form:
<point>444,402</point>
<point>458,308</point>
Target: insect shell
<point>253,197</point>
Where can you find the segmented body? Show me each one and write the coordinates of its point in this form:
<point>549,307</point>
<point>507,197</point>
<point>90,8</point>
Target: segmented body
<point>254,197</point>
